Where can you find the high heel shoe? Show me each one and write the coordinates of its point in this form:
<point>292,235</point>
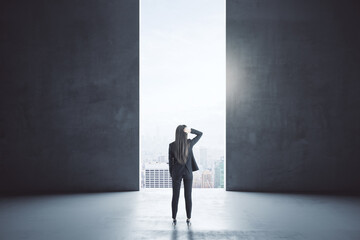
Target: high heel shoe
<point>188,222</point>
<point>174,222</point>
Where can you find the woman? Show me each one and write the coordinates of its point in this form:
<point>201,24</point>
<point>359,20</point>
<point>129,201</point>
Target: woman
<point>181,165</point>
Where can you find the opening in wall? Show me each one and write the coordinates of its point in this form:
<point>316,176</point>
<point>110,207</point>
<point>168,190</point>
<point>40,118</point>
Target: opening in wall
<point>182,81</point>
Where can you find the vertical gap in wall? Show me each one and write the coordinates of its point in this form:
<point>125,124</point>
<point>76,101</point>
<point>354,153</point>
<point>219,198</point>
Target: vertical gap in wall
<point>224,82</point>
<point>182,81</point>
<point>140,129</point>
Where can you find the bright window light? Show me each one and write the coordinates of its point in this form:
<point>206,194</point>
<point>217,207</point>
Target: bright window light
<point>182,81</point>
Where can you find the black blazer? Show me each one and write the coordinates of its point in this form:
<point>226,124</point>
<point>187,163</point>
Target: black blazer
<point>175,168</point>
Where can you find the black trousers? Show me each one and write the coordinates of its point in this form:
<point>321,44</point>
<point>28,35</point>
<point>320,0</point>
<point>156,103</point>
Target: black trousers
<point>176,185</point>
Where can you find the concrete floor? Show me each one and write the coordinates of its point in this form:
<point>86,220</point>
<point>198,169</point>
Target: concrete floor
<point>217,214</point>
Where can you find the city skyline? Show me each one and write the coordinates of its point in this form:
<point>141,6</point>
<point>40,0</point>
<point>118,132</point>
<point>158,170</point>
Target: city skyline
<point>154,171</point>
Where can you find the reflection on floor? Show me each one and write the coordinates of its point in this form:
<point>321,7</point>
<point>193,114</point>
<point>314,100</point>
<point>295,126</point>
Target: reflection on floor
<point>146,214</point>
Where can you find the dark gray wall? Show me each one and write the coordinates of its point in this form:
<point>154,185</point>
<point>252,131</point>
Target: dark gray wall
<point>69,96</point>
<point>293,81</point>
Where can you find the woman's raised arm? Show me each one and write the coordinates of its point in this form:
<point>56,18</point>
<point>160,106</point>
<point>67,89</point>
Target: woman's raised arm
<point>198,135</point>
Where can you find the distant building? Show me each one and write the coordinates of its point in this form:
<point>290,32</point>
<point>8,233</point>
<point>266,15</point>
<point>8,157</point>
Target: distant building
<point>219,173</point>
<point>203,157</point>
<point>206,179</point>
<point>157,175</point>
<point>162,159</point>
<point>197,179</point>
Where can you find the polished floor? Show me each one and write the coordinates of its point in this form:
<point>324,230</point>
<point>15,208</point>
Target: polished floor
<point>146,214</point>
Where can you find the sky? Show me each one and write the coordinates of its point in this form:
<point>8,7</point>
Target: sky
<point>182,72</point>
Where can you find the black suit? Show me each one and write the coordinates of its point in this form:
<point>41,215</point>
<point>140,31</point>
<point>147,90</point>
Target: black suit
<point>179,172</point>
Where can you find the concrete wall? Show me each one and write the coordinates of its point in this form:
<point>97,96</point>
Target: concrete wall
<point>293,101</point>
<point>69,96</point>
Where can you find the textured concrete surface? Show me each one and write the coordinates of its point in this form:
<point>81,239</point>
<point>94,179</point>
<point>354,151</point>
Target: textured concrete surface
<point>69,96</point>
<point>293,102</point>
<point>146,214</point>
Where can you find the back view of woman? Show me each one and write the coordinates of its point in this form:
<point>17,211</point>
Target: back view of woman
<point>181,165</point>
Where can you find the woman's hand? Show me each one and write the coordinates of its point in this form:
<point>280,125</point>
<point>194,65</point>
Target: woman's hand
<point>187,129</point>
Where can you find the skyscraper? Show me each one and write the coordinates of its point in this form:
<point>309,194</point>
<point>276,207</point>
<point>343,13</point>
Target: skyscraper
<point>219,173</point>
<point>203,157</point>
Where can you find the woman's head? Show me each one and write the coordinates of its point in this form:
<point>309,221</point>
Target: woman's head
<point>180,133</point>
<point>181,144</point>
